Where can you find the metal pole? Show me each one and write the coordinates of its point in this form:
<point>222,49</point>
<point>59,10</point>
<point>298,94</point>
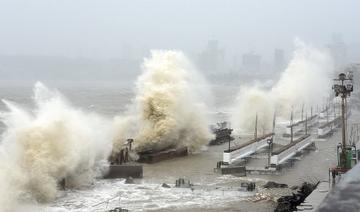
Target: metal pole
<point>306,126</point>
<point>274,121</point>
<point>343,91</point>
<point>270,150</point>
<point>271,140</point>
<point>346,118</point>
<point>343,97</point>
<point>357,133</point>
<point>255,134</point>
<point>291,127</point>
<point>327,114</point>
<point>229,143</point>
<point>302,113</point>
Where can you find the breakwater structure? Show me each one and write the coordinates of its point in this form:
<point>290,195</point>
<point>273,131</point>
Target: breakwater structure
<point>121,164</point>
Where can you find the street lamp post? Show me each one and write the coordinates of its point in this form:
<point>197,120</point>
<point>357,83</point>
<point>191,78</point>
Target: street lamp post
<point>343,88</point>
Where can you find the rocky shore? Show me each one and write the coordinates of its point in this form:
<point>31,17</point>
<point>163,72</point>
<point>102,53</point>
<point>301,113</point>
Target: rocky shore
<point>290,202</point>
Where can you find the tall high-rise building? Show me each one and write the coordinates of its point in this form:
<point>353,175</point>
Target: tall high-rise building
<point>211,60</point>
<point>127,51</point>
<point>279,60</point>
<point>338,50</point>
<point>251,62</point>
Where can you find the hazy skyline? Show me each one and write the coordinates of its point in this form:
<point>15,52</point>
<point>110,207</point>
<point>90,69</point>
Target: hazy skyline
<point>105,29</point>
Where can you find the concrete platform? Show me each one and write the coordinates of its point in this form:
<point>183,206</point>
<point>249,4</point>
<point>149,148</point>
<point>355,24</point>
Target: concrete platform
<point>125,171</point>
<point>153,157</point>
<point>238,170</point>
<point>262,170</point>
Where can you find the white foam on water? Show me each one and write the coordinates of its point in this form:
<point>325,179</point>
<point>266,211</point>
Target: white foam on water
<point>108,194</point>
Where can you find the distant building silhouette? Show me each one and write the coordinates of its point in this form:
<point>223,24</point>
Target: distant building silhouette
<point>251,62</point>
<point>211,60</point>
<point>338,50</point>
<point>279,60</point>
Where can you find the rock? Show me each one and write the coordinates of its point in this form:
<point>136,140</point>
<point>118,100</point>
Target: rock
<point>118,209</point>
<point>129,180</point>
<point>307,188</point>
<point>272,184</point>
<point>182,183</point>
<point>283,207</point>
<point>250,186</point>
<point>289,203</point>
<point>164,185</point>
<point>294,187</point>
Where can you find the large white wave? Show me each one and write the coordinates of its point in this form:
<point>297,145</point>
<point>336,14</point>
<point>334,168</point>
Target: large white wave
<point>167,111</point>
<point>306,81</point>
<point>43,146</point>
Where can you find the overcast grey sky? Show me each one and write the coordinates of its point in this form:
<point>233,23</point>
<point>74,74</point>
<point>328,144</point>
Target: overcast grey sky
<point>100,29</point>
